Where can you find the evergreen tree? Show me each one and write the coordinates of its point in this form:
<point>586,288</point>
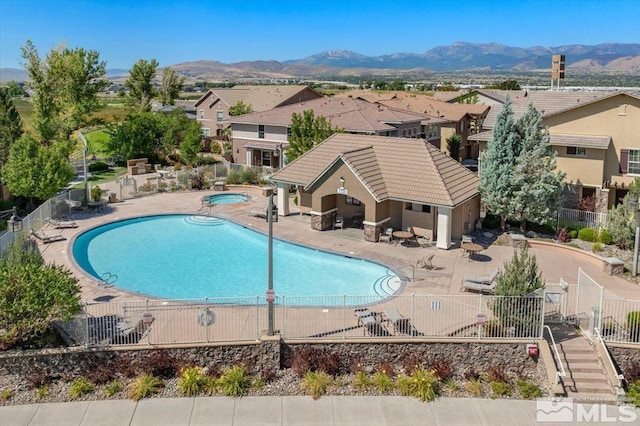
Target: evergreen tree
<point>10,125</point>
<point>537,186</point>
<point>307,131</point>
<point>519,307</point>
<point>498,161</point>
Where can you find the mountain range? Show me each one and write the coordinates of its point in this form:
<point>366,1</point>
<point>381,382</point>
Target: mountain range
<point>608,58</point>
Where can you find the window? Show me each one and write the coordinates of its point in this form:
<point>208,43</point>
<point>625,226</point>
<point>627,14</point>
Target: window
<point>418,207</point>
<point>266,158</point>
<point>352,201</point>
<point>205,131</point>
<point>260,131</point>
<point>634,162</point>
<point>577,151</point>
<point>288,133</point>
<point>201,114</point>
<point>220,116</point>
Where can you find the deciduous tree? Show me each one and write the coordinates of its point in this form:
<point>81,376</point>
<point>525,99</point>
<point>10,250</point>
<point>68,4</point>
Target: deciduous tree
<point>35,170</point>
<point>139,135</point>
<point>140,84</point>
<point>10,125</point>
<point>240,108</point>
<point>307,131</point>
<point>33,294</point>
<point>172,84</point>
<point>66,84</point>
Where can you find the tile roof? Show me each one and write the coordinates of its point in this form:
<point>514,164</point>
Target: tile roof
<point>352,115</point>
<point>548,102</point>
<point>434,108</point>
<point>582,141</point>
<point>261,98</point>
<point>402,169</point>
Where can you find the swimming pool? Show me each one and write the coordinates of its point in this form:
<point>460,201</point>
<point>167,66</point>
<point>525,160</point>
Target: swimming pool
<point>230,198</point>
<point>186,256</point>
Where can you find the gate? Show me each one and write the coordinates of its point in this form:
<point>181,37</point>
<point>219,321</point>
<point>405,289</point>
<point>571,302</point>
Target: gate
<point>589,301</point>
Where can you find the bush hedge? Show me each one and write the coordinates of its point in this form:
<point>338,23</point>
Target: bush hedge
<point>587,234</point>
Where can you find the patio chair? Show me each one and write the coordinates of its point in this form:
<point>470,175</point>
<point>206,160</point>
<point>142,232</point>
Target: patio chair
<point>339,222</point>
<point>387,236</point>
<point>47,238</point>
<point>62,223</point>
<point>483,279</point>
<point>426,262</point>
<point>426,240</point>
<point>479,287</point>
<point>401,325</point>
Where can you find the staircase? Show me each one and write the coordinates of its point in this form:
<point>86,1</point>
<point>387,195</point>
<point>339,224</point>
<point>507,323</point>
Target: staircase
<point>586,380</point>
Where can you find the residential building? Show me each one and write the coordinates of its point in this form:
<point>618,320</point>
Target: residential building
<point>386,182</point>
<point>212,109</point>
<point>595,134</point>
<point>261,136</point>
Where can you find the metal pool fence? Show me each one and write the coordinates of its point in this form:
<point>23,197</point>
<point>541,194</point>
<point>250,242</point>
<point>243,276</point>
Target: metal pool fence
<point>319,318</point>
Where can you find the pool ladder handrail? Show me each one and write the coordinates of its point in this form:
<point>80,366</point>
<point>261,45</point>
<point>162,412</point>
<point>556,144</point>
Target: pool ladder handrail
<point>107,279</point>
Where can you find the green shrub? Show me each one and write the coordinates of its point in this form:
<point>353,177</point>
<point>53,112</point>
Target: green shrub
<point>191,381</point>
<point>605,237</point>
<point>42,392</point>
<point>96,193</point>
<point>500,388</point>
<point>6,395</point>
<point>633,325</point>
<point>633,393</point>
<point>235,381</point>
<point>382,382</point>
<point>528,390</point>
<point>362,380</point>
<point>474,387</point>
<point>596,247</point>
<point>491,222</point>
<point>233,177</point>
<point>573,233</point>
<point>215,147</point>
<point>422,384</point>
<point>316,383</point>
<point>79,387</point>
<point>145,386</point>
<point>113,388</point>
<point>99,166</point>
<point>587,234</point>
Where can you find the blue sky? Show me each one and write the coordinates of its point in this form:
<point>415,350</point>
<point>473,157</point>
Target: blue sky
<point>175,31</point>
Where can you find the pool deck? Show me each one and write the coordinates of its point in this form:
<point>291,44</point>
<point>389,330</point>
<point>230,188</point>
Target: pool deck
<point>554,263</point>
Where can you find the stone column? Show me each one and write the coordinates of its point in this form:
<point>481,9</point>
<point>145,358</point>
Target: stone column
<point>444,228</point>
<point>322,220</point>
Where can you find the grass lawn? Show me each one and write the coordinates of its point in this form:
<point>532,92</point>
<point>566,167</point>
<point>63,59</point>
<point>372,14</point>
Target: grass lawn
<point>98,178</point>
<point>25,109</point>
<point>97,141</point>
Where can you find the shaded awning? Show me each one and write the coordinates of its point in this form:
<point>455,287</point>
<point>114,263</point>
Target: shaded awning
<point>581,141</point>
<point>265,146</point>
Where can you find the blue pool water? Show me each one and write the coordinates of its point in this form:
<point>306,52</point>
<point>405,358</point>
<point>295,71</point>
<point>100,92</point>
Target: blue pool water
<point>181,256</point>
<point>230,198</point>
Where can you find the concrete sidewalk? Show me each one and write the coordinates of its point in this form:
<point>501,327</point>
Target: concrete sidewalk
<point>303,411</point>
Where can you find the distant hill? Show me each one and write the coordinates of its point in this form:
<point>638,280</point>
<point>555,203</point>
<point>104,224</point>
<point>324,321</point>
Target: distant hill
<point>608,58</point>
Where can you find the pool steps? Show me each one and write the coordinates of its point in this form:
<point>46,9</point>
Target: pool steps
<point>203,220</point>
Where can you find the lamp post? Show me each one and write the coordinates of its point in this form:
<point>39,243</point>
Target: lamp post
<point>632,206</point>
<point>84,167</point>
<point>271,295</point>
<point>14,223</point>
